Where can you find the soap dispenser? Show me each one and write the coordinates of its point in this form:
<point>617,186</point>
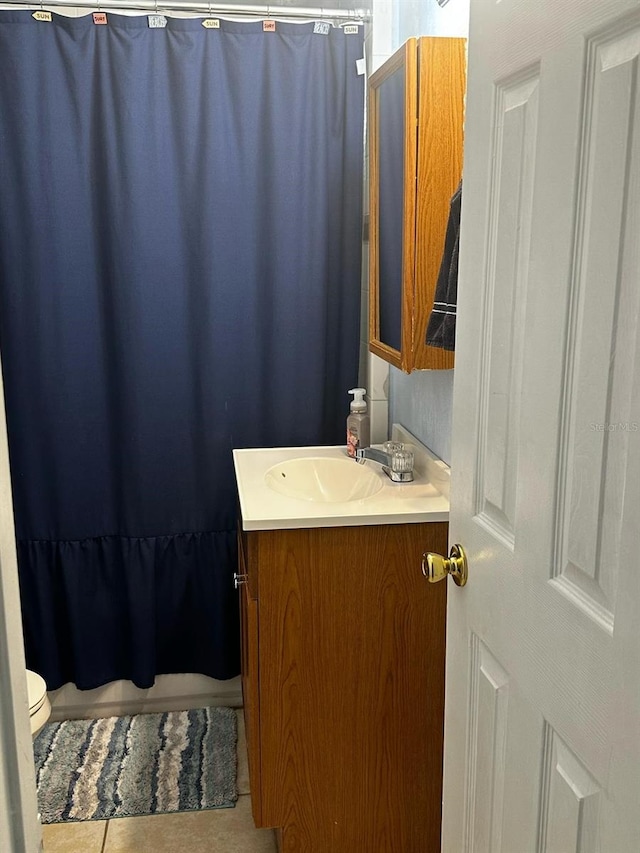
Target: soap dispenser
<point>358,430</point>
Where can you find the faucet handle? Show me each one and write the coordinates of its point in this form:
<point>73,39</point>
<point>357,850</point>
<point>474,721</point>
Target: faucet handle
<point>400,457</point>
<point>392,446</point>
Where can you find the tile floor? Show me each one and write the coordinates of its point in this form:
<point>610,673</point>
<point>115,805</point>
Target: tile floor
<point>214,831</point>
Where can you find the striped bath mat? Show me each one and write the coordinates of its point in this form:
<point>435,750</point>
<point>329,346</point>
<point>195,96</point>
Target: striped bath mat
<point>136,765</point>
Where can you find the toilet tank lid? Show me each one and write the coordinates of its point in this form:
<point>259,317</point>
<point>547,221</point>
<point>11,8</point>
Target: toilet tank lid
<point>36,688</point>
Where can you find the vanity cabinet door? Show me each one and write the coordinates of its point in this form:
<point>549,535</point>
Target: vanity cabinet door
<point>351,682</point>
<point>416,102</point>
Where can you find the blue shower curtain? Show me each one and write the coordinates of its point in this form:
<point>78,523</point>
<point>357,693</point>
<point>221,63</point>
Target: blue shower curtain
<point>180,214</point>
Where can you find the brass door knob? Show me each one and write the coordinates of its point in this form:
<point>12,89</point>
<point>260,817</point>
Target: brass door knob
<point>435,567</point>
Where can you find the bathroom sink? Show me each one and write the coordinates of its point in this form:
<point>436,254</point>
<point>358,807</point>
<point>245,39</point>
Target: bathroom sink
<point>323,480</point>
<point>282,488</point>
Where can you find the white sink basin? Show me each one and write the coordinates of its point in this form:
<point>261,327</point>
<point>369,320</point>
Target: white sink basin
<point>282,488</point>
<point>323,480</point>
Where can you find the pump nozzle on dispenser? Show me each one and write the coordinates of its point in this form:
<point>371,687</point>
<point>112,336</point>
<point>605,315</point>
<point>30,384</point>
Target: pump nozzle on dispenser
<point>358,404</point>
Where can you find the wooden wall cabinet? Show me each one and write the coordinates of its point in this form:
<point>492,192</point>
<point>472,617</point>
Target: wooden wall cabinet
<point>343,682</point>
<point>416,110</point>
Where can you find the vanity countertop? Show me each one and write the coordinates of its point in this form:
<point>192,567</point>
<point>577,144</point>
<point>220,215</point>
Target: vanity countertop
<point>423,500</point>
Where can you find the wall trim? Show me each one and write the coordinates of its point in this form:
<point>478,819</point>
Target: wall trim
<point>169,693</point>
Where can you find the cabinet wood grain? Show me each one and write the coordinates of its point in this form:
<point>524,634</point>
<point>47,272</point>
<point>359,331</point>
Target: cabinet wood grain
<point>442,82</point>
<point>345,710</point>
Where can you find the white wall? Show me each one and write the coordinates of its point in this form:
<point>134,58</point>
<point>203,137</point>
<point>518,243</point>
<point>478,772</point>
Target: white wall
<point>20,830</point>
<point>374,373</point>
<point>423,400</point>
<point>428,18</point>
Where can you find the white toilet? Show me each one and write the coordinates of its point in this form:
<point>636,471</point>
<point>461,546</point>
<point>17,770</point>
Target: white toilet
<point>39,705</point>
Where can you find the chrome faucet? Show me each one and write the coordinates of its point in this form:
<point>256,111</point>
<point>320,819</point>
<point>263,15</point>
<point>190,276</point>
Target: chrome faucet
<point>395,458</point>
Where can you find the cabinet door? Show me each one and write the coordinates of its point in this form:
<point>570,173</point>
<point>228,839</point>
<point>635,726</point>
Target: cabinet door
<point>393,108</point>
<point>416,128</point>
<point>352,688</point>
<point>441,83</point>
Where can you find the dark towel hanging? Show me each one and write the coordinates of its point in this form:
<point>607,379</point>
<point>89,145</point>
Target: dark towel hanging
<point>441,330</point>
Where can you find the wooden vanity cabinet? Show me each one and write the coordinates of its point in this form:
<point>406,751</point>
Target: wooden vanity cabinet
<point>343,654</point>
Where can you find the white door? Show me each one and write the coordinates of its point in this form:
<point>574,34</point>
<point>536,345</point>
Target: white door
<point>542,732</point>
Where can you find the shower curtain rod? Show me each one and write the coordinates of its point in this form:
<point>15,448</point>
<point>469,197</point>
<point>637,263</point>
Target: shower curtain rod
<point>232,9</point>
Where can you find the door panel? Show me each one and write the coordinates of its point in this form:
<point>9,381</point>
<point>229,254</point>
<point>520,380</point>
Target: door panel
<point>512,154</point>
<point>488,710</point>
<point>598,370</point>
<point>542,733</point>
<point>569,800</point>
